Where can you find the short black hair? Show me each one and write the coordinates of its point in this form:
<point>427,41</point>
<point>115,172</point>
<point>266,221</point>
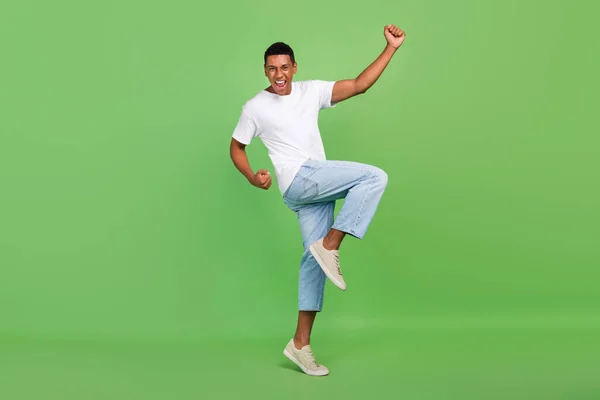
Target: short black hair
<point>279,48</point>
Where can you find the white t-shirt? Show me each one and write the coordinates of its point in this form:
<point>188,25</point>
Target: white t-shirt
<point>287,125</point>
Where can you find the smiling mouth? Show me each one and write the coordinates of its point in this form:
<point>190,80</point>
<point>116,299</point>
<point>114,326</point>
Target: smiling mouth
<point>280,84</point>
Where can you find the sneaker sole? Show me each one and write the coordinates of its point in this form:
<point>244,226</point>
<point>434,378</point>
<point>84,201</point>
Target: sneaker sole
<point>325,270</point>
<point>302,367</point>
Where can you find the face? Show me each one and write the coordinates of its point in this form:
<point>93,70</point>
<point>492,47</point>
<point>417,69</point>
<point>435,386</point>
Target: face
<point>280,71</point>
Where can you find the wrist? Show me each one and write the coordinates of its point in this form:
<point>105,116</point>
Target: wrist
<point>391,49</point>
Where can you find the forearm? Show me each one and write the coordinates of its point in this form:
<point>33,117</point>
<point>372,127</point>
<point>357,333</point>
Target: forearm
<point>370,75</point>
<point>240,160</point>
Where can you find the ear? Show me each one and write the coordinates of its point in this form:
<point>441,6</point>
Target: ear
<point>294,69</point>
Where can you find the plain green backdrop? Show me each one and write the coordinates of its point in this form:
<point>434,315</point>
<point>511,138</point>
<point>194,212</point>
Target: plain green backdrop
<point>136,262</point>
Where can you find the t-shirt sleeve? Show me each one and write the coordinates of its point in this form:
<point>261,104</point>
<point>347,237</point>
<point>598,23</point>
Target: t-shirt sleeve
<point>245,129</point>
<point>324,92</point>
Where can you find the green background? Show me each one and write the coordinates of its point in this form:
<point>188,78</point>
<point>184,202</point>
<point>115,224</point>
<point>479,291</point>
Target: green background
<point>136,262</point>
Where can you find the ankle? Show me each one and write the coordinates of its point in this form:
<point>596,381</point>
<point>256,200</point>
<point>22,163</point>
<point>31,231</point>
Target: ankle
<point>299,343</point>
<point>330,244</point>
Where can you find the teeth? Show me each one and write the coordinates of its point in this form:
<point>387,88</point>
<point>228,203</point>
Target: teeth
<point>279,82</point>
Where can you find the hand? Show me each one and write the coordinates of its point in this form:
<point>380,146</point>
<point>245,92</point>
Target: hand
<point>262,179</point>
<point>394,35</point>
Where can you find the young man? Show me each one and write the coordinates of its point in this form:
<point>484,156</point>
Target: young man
<point>284,116</point>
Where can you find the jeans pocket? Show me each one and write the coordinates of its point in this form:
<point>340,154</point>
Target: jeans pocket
<point>311,188</point>
<point>302,189</point>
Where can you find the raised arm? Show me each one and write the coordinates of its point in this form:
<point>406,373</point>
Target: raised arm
<point>262,178</point>
<point>347,88</point>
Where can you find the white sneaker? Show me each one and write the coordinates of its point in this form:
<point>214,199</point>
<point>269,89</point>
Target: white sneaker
<point>305,359</point>
<point>329,260</point>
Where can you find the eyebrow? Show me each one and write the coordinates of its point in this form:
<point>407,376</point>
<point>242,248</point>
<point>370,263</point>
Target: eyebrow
<point>272,66</point>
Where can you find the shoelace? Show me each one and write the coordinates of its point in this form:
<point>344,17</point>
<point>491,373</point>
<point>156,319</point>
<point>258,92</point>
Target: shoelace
<point>311,359</point>
<point>336,257</point>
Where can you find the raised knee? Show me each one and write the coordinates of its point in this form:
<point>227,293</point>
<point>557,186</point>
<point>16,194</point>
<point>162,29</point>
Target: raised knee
<point>381,176</point>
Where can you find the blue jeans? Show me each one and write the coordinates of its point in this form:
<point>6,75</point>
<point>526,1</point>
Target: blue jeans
<point>312,196</point>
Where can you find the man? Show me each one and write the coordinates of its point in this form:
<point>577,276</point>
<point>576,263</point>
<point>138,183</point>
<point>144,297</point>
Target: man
<point>284,116</point>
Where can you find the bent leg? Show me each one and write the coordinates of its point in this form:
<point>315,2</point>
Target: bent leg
<point>361,186</point>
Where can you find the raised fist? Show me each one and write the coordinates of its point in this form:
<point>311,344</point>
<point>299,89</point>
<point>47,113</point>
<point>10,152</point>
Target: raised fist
<point>394,35</point>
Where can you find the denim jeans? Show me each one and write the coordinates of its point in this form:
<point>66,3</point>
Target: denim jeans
<point>312,196</point>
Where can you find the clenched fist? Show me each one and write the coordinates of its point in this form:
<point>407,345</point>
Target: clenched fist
<point>394,35</point>
<point>262,179</point>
